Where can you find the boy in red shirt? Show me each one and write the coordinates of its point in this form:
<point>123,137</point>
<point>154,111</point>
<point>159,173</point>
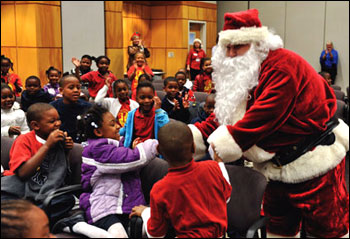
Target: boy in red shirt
<point>192,197</point>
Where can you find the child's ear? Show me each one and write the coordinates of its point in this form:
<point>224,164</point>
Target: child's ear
<point>33,125</point>
<point>97,132</point>
<point>61,90</point>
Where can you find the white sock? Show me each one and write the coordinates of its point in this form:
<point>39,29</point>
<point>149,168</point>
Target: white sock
<point>89,230</point>
<point>117,230</point>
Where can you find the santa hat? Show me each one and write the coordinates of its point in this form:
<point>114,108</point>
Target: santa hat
<point>242,28</point>
<point>197,40</point>
<point>135,34</point>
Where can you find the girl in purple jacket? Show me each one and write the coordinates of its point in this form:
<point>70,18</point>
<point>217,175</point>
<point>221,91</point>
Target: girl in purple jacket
<point>110,172</point>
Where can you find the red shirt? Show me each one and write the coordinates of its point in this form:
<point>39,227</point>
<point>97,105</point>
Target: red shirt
<point>194,58</point>
<point>135,80</point>
<point>144,125</point>
<point>203,83</point>
<point>23,148</point>
<point>96,82</point>
<point>123,113</point>
<point>11,79</point>
<point>193,198</point>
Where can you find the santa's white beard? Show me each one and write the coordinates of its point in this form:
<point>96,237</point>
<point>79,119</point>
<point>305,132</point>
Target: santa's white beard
<point>233,78</point>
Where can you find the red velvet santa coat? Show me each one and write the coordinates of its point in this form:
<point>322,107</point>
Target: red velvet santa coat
<point>290,102</point>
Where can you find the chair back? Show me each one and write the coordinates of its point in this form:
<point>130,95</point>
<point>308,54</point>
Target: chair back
<point>158,85</point>
<point>151,173</point>
<point>6,144</point>
<point>248,187</point>
<point>161,94</point>
<point>336,87</point>
<point>340,95</point>
<point>200,96</point>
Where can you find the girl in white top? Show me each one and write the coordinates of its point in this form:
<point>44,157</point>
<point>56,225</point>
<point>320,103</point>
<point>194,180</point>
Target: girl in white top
<point>119,106</point>
<point>13,119</point>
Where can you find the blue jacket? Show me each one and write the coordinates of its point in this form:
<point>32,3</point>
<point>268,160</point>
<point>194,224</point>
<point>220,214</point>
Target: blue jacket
<point>161,119</point>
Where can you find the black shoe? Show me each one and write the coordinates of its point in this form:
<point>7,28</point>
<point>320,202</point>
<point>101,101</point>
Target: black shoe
<point>68,222</point>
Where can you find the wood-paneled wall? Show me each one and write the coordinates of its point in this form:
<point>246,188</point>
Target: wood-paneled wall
<point>31,36</point>
<point>164,28</point>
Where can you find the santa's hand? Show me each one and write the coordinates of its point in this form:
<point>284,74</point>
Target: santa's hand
<point>225,145</point>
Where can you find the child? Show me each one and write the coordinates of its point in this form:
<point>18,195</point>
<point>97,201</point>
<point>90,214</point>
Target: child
<point>173,104</point>
<point>183,90</point>
<point>96,79</point>
<point>327,77</point>
<point>192,197</point>
<point>70,105</point>
<point>140,67</point>
<point>52,87</point>
<point>137,46</point>
<point>22,219</point>
<point>38,162</point>
<point>13,119</point>
<point>110,176</point>
<point>119,106</point>
<point>34,93</point>
<point>144,122</point>
<point>85,64</point>
<point>189,83</point>
<point>194,57</point>
<point>207,110</point>
<point>11,79</point>
<point>203,81</point>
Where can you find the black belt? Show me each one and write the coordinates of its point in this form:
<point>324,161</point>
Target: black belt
<point>327,137</point>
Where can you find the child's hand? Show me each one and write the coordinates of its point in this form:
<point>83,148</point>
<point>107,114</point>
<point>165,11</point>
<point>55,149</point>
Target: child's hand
<point>216,156</point>
<point>68,141</point>
<point>188,68</point>
<point>54,137</point>
<point>157,102</point>
<point>108,81</point>
<point>137,211</point>
<point>185,101</point>
<point>136,142</point>
<point>76,62</point>
<point>15,130</point>
<point>177,105</point>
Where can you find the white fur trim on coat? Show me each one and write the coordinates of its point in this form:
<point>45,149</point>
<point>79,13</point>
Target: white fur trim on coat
<point>257,154</point>
<point>225,145</point>
<point>243,35</point>
<point>200,148</point>
<point>313,163</point>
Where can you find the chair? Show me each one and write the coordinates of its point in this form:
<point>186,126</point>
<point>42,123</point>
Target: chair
<point>248,187</point>
<point>75,160</point>
<point>161,94</point>
<point>157,80</point>
<point>158,85</point>
<point>340,95</point>
<point>342,111</point>
<point>200,96</point>
<point>336,87</point>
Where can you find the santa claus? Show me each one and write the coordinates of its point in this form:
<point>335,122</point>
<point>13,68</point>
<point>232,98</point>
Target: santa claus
<point>273,109</point>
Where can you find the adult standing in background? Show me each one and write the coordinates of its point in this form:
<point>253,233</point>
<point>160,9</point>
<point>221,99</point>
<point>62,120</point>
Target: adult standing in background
<point>194,58</point>
<point>137,46</point>
<point>329,60</point>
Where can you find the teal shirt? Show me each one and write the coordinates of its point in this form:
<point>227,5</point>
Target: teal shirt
<point>161,118</point>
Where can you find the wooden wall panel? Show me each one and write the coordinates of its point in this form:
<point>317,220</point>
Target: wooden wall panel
<point>116,6</point>
<point>127,10</point>
<point>117,62</point>
<point>26,25</point>
<point>23,70</point>
<point>174,31</point>
<point>49,22</point>
<point>158,12</point>
<point>201,14</point>
<point>114,30</point>
<point>192,13</point>
<point>127,31</point>
<point>177,12</point>
<point>146,12</point>
<point>177,62</point>
<point>145,32</point>
<point>53,57</point>
<point>55,3</point>
<point>136,10</point>
<point>158,59</point>
<point>8,27</point>
<point>158,28</point>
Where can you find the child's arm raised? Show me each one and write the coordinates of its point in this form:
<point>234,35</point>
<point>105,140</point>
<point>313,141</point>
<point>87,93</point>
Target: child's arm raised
<point>28,168</point>
<point>76,63</point>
